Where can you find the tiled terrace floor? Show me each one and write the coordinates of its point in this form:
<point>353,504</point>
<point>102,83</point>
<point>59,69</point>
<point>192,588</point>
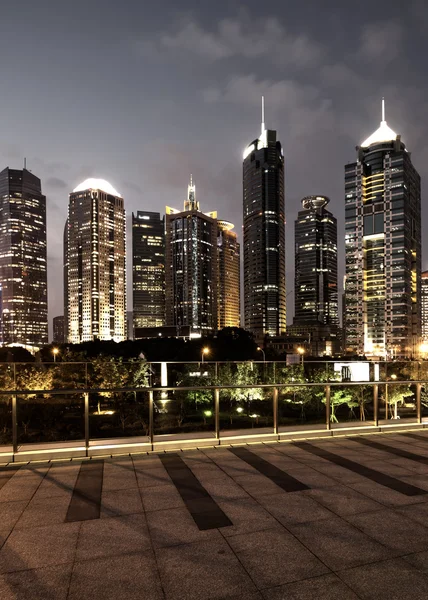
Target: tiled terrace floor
<point>342,518</point>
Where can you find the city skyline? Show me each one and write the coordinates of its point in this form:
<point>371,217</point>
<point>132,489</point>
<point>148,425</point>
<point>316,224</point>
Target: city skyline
<point>146,139</point>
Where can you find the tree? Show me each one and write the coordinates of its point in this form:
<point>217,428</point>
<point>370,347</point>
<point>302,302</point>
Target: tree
<point>397,395</point>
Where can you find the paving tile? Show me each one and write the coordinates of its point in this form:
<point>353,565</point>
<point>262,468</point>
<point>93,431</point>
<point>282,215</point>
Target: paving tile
<point>338,544</point>
<point>339,473</point>
<point>122,480</point>
<point>127,577</point>
<point>56,487</point>
<point>47,511</point>
<point>4,533</point>
<point>225,490</point>
<point>49,583</point>
<point>161,497</point>
<point>343,500</point>
<point>393,530</point>
<point>326,587</point>
<point>298,507</point>
<point>385,495</point>
<point>121,502</point>
<point>246,515</point>
<point>415,512</point>
<point>311,477</point>
<point>392,579</point>
<point>10,513</point>
<point>39,547</point>
<point>418,560</point>
<point>22,488</point>
<point>206,569</point>
<point>274,557</point>
<point>112,537</point>
<point>146,463</point>
<point>176,526</point>
<point>153,477</point>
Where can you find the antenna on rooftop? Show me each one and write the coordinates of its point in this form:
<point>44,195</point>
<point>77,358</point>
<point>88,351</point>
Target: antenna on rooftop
<point>263,114</point>
<point>383,109</point>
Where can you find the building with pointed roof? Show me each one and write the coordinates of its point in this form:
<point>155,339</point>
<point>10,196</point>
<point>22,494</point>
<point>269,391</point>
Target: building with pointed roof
<point>383,249</point>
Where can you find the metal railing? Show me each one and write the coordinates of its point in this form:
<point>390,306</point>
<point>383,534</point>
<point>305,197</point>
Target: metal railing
<point>215,422</point>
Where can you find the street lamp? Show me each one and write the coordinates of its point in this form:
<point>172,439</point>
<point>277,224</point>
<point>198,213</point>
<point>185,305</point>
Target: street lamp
<point>301,351</point>
<point>55,351</point>
<point>263,352</point>
<point>205,351</point>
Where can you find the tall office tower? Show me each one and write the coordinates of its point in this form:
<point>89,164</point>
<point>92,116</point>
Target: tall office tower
<point>383,248</point>
<point>229,280</point>
<point>96,286</point>
<point>191,272</point>
<point>264,236</point>
<point>424,306</point>
<point>58,330</point>
<point>315,286</point>
<point>23,272</point>
<point>148,269</point>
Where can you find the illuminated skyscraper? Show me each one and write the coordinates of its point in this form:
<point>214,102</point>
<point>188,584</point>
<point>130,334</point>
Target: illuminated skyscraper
<point>96,290</point>
<point>424,305</point>
<point>191,266</point>
<point>229,280</point>
<point>23,273</point>
<point>383,248</point>
<point>264,236</point>
<point>315,286</point>
<point>58,330</point>
<point>148,269</point>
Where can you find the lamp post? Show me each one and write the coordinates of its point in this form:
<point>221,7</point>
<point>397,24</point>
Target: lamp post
<point>205,351</point>
<point>263,352</point>
<point>301,351</point>
<point>55,351</point>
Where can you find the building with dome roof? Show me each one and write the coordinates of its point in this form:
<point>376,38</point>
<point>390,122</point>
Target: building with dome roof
<point>383,249</point>
<point>94,264</point>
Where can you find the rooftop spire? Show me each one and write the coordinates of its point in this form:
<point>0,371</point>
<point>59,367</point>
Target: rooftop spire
<point>263,114</point>
<point>191,203</point>
<point>383,109</point>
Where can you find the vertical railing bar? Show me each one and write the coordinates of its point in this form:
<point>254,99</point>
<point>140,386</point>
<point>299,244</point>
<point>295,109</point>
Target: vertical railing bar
<point>418,403</point>
<point>86,409</point>
<point>14,427</point>
<point>327,407</point>
<point>376,404</point>
<point>217,413</point>
<point>151,425</point>
<point>275,411</point>
<point>386,401</point>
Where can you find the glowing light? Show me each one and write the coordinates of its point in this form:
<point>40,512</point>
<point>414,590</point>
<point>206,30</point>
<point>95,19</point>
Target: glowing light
<point>208,413</point>
<point>300,350</point>
<point>239,409</point>
<point>97,184</point>
<point>248,150</point>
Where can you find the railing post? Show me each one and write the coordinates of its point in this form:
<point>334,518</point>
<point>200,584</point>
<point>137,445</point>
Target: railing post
<point>86,409</point>
<point>217,413</point>
<point>14,427</point>
<point>418,403</point>
<point>151,425</point>
<point>386,401</point>
<point>376,404</point>
<point>327,407</point>
<point>275,411</point>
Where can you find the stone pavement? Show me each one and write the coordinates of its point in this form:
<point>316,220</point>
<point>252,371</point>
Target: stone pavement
<point>341,518</point>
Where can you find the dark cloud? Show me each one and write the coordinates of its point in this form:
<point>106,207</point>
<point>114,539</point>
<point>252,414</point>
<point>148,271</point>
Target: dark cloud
<point>56,183</point>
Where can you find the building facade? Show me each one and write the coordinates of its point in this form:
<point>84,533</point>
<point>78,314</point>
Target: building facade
<point>95,278</point>
<point>264,237</point>
<point>148,269</point>
<point>58,330</point>
<point>229,280</point>
<point>23,259</point>
<point>315,286</point>
<point>424,306</point>
<point>191,271</point>
<point>383,249</point>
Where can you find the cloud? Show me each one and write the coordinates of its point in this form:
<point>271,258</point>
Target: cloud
<point>381,41</point>
<point>56,183</point>
<point>241,38</point>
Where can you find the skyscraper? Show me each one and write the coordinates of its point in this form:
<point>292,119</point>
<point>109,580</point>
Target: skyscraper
<point>58,330</point>
<point>229,280</point>
<point>264,236</point>
<point>383,248</point>
<point>315,286</point>
<point>191,266</point>
<point>23,272</point>
<point>148,269</point>
<point>96,290</point>
<point>424,306</point>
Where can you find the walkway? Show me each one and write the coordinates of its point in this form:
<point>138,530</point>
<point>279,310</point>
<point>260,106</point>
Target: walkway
<point>323,519</point>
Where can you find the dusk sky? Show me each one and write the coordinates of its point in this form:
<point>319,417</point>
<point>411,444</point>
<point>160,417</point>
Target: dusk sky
<point>143,94</point>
